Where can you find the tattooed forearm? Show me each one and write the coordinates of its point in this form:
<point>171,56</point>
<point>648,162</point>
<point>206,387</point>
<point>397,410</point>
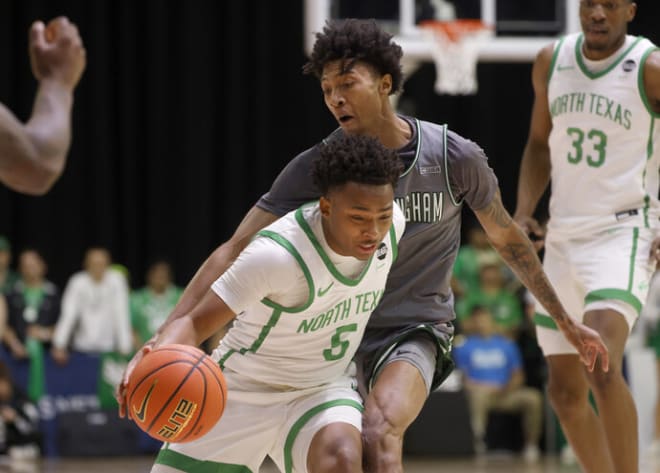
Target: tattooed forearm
<point>496,212</point>
<point>520,255</point>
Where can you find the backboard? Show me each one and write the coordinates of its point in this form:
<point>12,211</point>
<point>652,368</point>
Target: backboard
<point>522,27</point>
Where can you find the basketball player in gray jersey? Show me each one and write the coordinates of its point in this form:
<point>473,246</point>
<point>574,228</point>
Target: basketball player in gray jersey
<point>404,354</point>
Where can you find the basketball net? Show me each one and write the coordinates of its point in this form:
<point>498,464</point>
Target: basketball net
<point>455,51</point>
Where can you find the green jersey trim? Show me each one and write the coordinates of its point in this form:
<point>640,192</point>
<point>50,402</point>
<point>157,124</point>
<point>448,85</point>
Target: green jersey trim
<point>555,55</point>
<point>419,147</point>
<point>597,75</point>
<point>616,294</point>
<point>640,81</point>
<point>192,465</point>
<point>287,245</point>
<point>546,321</point>
<point>300,423</point>
<point>265,330</point>
<point>325,258</point>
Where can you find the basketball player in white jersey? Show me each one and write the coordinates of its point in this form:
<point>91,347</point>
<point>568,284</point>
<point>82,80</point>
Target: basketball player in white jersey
<point>33,154</point>
<point>406,350</point>
<point>301,294</point>
<point>594,135</point>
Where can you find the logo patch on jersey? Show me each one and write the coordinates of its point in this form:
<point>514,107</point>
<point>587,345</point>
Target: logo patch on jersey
<point>564,68</point>
<point>629,65</point>
<point>322,292</point>
<point>381,252</point>
<point>625,214</point>
<point>423,170</point>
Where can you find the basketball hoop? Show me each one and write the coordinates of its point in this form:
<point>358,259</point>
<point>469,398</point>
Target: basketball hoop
<point>455,51</point>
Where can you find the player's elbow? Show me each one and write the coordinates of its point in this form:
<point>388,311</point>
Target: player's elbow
<point>34,182</point>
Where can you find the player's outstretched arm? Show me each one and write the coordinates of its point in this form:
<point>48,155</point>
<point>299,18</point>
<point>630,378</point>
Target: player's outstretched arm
<point>535,165</point>
<point>214,266</point>
<point>519,253</point>
<point>33,155</point>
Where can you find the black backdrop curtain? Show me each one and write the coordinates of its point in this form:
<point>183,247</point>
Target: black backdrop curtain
<point>153,171</point>
<point>187,111</point>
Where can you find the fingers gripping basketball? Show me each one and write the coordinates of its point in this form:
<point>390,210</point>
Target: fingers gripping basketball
<point>176,393</point>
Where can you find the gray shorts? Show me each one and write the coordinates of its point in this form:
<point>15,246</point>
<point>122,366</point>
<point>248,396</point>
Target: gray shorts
<point>427,347</point>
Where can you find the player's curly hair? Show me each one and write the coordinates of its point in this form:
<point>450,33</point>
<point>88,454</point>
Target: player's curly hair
<point>354,40</point>
<point>355,158</point>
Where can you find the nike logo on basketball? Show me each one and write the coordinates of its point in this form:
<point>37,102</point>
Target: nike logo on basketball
<point>322,292</point>
<point>564,68</point>
<point>142,412</point>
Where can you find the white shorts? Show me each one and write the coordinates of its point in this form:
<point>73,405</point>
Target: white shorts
<point>281,425</point>
<point>610,270</point>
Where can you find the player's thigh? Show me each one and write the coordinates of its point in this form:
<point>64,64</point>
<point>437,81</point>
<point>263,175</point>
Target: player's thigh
<point>616,271</point>
<point>336,404</point>
<point>243,436</point>
<point>557,266</point>
<point>567,382</point>
<point>402,383</point>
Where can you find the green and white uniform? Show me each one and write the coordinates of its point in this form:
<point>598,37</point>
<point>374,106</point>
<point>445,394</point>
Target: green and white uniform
<point>604,205</point>
<point>302,310</point>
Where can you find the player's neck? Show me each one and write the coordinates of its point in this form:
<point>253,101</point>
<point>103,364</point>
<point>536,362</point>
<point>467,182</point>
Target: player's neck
<point>394,132</point>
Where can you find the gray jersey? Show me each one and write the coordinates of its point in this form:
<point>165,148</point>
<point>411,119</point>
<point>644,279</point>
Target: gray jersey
<point>443,170</point>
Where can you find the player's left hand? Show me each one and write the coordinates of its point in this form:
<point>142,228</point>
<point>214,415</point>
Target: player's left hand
<point>589,344</point>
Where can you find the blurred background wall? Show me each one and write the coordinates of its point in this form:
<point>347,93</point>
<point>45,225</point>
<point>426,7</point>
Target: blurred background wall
<point>189,109</point>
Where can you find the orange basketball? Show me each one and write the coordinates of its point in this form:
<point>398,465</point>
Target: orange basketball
<point>176,393</point>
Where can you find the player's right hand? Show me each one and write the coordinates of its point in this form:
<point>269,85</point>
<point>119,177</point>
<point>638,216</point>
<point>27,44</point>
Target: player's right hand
<point>57,52</point>
<point>120,393</point>
<point>533,229</point>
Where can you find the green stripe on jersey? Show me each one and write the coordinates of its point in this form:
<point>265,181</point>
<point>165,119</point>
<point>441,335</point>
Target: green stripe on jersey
<point>546,321</point>
<point>192,465</point>
<point>325,258</point>
<point>300,423</point>
<point>616,294</point>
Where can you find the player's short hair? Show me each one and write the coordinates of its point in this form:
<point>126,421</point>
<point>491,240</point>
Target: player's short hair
<point>355,40</point>
<point>355,158</point>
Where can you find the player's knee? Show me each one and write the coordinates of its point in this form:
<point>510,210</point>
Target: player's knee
<point>566,400</point>
<point>600,381</point>
<point>340,455</point>
<point>380,432</point>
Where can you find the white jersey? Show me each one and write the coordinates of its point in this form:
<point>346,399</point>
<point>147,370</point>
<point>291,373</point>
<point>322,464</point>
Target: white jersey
<point>604,141</point>
<point>312,343</point>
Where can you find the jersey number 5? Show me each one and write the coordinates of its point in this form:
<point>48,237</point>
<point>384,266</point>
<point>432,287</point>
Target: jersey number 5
<point>338,346</point>
<point>598,141</point>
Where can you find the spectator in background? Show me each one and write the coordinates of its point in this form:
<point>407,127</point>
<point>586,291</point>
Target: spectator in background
<point>152,304</point>
<point>20,434</point>
<point>34,307</point>
<point>471,257</point>
<point>504,306</point>
<point>7,276</point>
<point>493,380</point>
<point>95,310</point>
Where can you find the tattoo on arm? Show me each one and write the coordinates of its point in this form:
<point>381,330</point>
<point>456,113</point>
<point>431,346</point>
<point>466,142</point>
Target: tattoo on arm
<point>519,253</point>
<point>496,212</point>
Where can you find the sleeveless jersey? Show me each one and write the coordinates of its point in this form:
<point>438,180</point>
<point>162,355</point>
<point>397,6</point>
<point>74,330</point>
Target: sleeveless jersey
<point>443,171</point>
<point>603,143</point>
<point>313,344</point>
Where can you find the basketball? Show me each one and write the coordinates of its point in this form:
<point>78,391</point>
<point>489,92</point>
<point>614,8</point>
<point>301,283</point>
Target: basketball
<point>176,393</point>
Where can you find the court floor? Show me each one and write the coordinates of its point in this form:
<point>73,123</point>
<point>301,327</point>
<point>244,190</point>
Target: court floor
<point>496,463</point>
<point>491,464</point>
